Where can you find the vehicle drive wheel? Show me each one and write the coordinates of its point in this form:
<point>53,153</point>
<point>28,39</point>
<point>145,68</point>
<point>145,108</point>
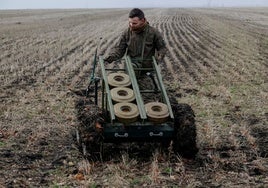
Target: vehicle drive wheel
<point>184,142</point>
<point>89,131</point>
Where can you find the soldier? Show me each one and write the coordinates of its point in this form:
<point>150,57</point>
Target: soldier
<point>140,41</point>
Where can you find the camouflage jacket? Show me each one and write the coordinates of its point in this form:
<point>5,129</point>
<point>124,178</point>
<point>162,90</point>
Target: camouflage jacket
<point>132,44</point>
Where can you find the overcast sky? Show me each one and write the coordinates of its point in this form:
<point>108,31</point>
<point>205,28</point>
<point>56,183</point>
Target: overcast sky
<point>44,4</point>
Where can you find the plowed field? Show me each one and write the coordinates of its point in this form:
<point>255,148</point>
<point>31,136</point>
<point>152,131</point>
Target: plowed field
<point>217,62</point>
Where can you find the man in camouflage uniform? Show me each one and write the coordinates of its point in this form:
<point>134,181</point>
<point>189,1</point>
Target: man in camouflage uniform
<point>140,41</point>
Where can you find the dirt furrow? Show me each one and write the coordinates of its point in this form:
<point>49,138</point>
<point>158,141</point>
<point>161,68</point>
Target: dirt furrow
<point>192,47</point>
<point>228,53</point>
<point>207,42</point>
<point>200,46</point>
<point>167,69</point>
<point>185,45</point>
<point>178,59</point>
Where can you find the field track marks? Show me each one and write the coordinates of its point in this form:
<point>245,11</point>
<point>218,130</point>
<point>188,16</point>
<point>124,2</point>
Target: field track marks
<point>218,57</point>
<point>190,43</point>
<point>240,50</point>
<point>176,59</point>
<point>102,42</point>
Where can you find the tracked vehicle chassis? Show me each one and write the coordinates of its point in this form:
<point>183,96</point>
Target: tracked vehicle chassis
<point>163,122</point>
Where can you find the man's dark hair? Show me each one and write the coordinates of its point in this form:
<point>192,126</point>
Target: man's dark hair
<point>136,12</point>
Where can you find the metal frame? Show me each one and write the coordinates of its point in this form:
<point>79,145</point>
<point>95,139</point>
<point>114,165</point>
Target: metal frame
<point>143,129</point>
<point>162,88</point>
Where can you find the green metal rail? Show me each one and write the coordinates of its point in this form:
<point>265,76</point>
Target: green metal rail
<point>107,91</point>
<point>135,86</point>
<point>162,88</point>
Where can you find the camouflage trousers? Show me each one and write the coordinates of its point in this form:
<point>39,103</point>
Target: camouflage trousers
<point>146,83</point>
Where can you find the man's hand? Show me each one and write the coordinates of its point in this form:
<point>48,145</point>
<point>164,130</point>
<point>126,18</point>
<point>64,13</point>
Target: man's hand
<point>108,59</point>
<point>160,57</point>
